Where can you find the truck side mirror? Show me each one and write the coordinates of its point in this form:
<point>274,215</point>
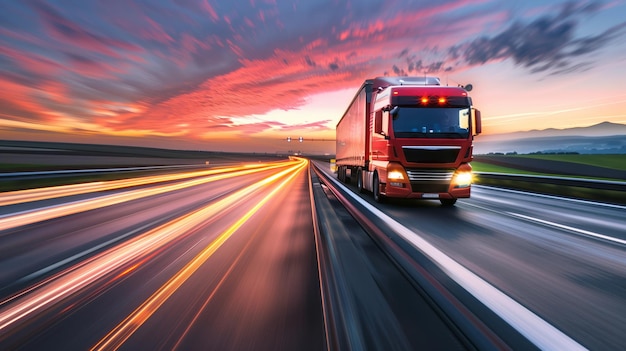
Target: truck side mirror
<point>394,111</point>
<point>478,128</point>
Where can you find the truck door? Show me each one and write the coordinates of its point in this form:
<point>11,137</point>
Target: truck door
<point>380,136</point>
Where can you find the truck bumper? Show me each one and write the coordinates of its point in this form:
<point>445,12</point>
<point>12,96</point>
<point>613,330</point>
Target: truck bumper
<point>407,193</point>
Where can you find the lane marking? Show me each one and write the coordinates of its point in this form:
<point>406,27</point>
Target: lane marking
<point>568,228</point>
<point>554,197</point>
<point>83,253</point>
<point>548,223</point>
<point>538,331</point>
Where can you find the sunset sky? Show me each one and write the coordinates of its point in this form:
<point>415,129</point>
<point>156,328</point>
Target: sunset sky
<point>243,75</point>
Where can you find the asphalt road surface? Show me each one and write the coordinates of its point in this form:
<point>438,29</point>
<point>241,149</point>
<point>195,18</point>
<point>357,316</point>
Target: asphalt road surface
<point>226,260</point>
<point>227,264</point>
<point>563,259</point>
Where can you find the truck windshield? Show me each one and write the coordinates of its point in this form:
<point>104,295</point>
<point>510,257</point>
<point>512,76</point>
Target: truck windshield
<point>422,122</point>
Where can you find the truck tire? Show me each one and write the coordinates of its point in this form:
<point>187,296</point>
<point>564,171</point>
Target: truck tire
<point>341,173</point>
<point>447,202</point>
<point>359,180</point>
<point>376,190</point>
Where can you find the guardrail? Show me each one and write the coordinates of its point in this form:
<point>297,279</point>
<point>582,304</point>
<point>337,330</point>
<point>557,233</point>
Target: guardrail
<point>590,189</point>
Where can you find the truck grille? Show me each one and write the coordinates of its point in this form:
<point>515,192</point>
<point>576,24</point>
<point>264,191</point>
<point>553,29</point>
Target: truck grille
<point>430,180</point>
<point>431,154</point>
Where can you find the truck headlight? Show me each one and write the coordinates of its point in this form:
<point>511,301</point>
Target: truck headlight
<point>395,172</point>
<point>395,175</point>
<point>462,179</point>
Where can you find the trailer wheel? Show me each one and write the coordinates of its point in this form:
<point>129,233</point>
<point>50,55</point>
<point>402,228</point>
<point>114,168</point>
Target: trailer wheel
<point>447,202</point>
<point>376,190</point>
<point>359,180</point>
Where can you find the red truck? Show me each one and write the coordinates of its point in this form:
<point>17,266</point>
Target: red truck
<point>408,137</point>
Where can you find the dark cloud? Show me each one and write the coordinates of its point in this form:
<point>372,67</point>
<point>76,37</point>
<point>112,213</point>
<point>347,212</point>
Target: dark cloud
<point>418,67</point>
<point>309,62</point>
<point>547,44</point>
<point>67,31</point>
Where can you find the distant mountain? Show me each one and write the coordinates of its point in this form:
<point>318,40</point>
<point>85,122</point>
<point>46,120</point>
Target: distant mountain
<point>605,137</point>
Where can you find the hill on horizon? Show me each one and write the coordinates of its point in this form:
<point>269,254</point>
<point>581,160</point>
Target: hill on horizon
<point>601,138</point>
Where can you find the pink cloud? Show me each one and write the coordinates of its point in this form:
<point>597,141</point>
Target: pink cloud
<point>210,10</point>
<point>194,68</point>
<point>24,103</point>
<point>284,80</point>
<point>71,33</point>
<point>31,62</point>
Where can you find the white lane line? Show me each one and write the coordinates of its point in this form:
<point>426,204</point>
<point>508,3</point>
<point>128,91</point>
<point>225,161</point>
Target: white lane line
<point>572,229</point>
<point>548,223</point>
<point>541,333</point>
<point>554,197</point>
<point>84,253</point>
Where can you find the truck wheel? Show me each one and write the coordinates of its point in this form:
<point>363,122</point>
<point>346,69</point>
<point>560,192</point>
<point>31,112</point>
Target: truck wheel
<point>359,180</point>
<point>341,173</point>
<point>447,202</point>
<point>376,190</point>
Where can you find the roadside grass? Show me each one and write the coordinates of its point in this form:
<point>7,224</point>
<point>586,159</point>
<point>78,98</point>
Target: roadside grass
<point>613,161</point>
<point>486,167</point>
<point>609,161</point>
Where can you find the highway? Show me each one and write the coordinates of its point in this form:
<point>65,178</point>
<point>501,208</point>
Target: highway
<point>562,259</point>
<point>265,256</point>
<point>225,260</point>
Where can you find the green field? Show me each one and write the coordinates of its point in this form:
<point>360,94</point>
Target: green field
<point>563,164</point>
<point>486,167</point>
<point>615,161</point>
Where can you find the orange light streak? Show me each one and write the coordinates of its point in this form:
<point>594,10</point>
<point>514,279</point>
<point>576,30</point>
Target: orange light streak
<point>28,195</point>
<point>73,279</point>
<point>135,320</point>
<point>24,218</point>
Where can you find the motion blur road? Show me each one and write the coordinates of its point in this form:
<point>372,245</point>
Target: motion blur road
<point>563,259</point>
<point>219,262</point>
<point>227,259</point>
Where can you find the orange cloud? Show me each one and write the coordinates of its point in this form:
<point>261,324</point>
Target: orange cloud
<point>212,69</point>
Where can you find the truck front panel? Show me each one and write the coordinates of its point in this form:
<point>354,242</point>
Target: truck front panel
<point>428,134</point>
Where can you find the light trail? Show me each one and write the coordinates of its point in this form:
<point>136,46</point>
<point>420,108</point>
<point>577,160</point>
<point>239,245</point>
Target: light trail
<point>29,195</point>
<point>18,309</point>
<point>28,217</point>
<point>135,320</point>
